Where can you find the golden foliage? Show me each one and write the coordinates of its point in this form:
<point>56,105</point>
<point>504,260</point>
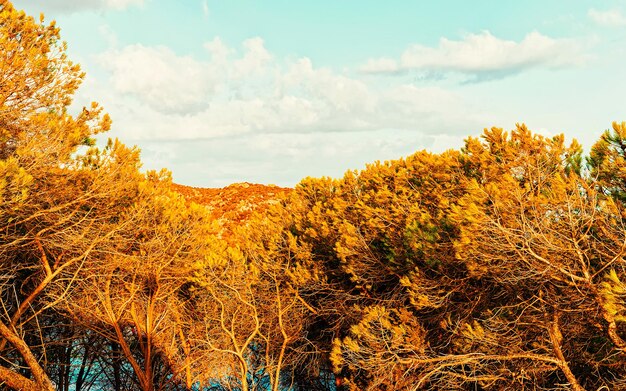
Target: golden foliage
<point>499,266</point>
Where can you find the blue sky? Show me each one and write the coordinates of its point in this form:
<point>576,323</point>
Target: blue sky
<point>273,91</point>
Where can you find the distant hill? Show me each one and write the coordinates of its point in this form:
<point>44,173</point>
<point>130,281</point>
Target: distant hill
<point>234,203</point>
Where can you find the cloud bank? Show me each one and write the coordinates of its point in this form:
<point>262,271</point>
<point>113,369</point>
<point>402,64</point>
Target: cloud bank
<point>482,56</point>
<point>158,94</point>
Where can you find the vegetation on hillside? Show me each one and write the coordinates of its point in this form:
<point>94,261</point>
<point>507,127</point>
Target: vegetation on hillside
<point>500,266</point>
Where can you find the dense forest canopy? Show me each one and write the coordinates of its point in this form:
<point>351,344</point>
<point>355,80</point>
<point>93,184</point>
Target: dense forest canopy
<point>499,266</point>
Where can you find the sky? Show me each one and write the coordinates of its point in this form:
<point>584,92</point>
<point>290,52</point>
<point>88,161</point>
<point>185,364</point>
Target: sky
<point>273,91</point>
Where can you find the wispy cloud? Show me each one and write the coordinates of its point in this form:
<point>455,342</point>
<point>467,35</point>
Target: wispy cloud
<point>609,18</point>
<point>205,8</point>
<point>483,56</point>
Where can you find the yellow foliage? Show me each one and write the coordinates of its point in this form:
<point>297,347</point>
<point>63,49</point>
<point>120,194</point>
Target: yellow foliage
<point>614,294</point>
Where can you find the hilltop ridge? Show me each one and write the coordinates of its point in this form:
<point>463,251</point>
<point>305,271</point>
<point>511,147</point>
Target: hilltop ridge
<point>233,204</point>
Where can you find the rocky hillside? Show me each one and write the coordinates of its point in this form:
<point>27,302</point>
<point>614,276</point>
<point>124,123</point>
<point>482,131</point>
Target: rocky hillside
<point>234,203</point>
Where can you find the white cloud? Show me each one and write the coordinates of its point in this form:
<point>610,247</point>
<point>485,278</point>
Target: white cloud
<point>218,50</point>
<point>69,6</point>
<point>254,58</point>
<point>381,65</point>
<point>160,95</point>
<point>160,78</point>
<point>339,92</point>
<point>609,18</point>
<point>171,83</point>
<point>483,56</point>
<point>299,100</point>
<point>121,4</point>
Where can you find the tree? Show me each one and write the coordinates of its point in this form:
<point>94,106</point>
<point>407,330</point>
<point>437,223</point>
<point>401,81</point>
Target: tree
<point>47,193</point>
<point>526,286</point>
<point>136,293</point>
<point>383,241</point>
<point>67,207</point>
<point>253,318</point>
<point>554,246</point>
<point>607,162</point>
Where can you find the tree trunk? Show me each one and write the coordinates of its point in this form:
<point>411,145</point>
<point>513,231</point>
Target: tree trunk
<point>41,378</point>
